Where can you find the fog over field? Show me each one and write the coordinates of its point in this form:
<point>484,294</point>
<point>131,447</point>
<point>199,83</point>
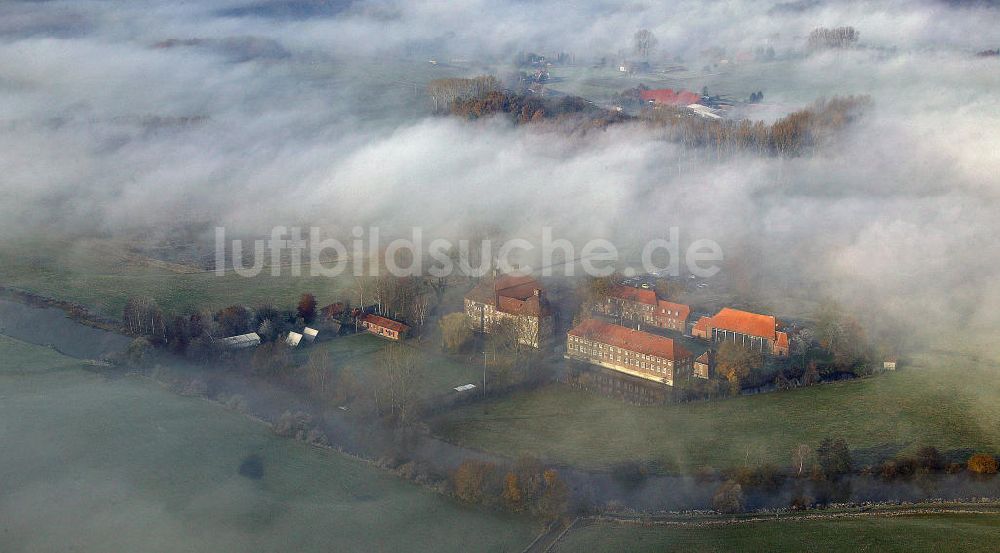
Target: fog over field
<point>298,113</point>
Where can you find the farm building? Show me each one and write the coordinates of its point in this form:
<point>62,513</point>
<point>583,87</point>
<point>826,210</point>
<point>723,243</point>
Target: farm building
<point>670,97</point>
<point>381,326</point>
<point>759,332</point>
<point>293,339</point>
<point>242,341</point>
<point>628,351</point>
<point>515,299</point>
<point>309,334</point>
<point>640,305</point>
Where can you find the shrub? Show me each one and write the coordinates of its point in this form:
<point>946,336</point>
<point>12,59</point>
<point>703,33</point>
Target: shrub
<point>982,463</point>
<point>728,498</point>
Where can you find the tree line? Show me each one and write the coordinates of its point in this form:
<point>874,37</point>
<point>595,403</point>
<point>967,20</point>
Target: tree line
<point>798,133</point>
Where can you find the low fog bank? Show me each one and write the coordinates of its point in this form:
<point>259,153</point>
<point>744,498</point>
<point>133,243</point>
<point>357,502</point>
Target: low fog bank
<point>250,115</point>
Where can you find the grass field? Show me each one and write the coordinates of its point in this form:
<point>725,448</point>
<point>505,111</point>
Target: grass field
<point>439,373</point>
<point>905,534</point>
<point>103,280</point>
<point>941,400</point>
<point>90,464</point>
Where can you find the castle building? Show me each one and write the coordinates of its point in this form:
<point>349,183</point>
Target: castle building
<point>517,300</point>
<point>639,305</point>
<point>628,351</point>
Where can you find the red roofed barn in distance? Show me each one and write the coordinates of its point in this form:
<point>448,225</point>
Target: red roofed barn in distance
<point>668,97</point>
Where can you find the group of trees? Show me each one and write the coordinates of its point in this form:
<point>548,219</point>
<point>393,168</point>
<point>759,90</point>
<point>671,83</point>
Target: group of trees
<point>735,363</point>
<point>529,108</point>
<point>443,92</point>
<point>531,59</point>
<point>196,334</point>
<point>793,135</point>
<point>929,460</point>
<point>397,374</point>
<point>526,486</point>
<point>644,41</point>
<point>839,37</point>
<point>409,299</point>
<point>143,317</point>
<point>456,332</point>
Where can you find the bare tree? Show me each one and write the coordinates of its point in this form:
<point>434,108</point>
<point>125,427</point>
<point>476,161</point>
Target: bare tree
<point>318,374</point>
<point>645,41</point>
<point>395,383</point>
<point>800,455</point>
<point>143,317</point>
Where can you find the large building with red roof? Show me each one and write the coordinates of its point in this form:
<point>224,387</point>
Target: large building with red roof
<point>629,351</point>
<point>640,305</point>
<point>755,331</point>
<point>518,300</point>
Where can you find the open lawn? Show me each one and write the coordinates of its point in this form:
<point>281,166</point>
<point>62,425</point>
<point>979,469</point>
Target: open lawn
<point>439,373</point>
<point>91,464</point>
<point>941,400</point>
<point>958,532</point>
<point>102,279</point>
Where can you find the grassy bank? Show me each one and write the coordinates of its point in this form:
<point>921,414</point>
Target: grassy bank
<point>121,465</point>
<point>959,532</point>
<point>102,276</point>
<point>940,400</point>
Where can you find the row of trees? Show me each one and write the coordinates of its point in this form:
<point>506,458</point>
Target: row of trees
<point>409,299</point>
<point>527,108</point>
<point>823,469</point>
<point>444,92</point>
<point>839,37</point>
<point>820,473</point>
<point>526,486</point>
<point>795,134</point>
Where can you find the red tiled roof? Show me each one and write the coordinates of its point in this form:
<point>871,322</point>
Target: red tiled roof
<point>630,293</point>
<point>744,322</point>
<point>703,324</point>
<point>782,340</point>
<point>516,295</point>
<point>632,340</point>
<point>520,287</point>
<point>680,308</point>
<point>670,97</point>
<point>383,322</point>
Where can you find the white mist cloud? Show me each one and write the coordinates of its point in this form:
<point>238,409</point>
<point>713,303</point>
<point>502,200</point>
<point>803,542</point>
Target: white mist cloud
<point>901,209</point>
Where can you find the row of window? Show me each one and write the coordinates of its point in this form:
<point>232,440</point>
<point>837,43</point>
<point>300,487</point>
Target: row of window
<point>607,355</point>
<point>614,352</point>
